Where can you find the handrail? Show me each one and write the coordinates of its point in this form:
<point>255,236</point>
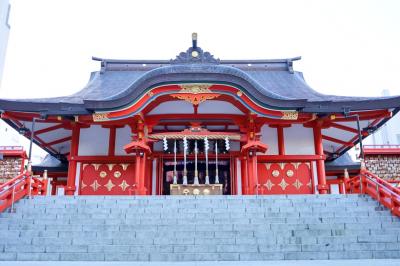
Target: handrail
<point>379,146</point>
<point>21,186</point>
<point>377,188</point>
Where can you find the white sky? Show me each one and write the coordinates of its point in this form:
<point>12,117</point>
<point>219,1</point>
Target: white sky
<point>348,47</point>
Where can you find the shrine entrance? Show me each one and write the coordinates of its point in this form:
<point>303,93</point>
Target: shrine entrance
<point>195,161</point>
<point>222,186</point>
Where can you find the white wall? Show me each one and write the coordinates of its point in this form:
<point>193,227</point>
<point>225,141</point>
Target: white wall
<point>122,137</point>
<point>218,107</point>
<point>93,141</point>
<point>299,140</point>
<point>176,107</point>
<point>269,136</point>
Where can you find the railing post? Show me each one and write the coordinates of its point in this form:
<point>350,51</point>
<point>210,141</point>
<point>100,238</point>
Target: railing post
<point>378,196</point>
<point>12,199</point>
<point>346,181</point>
<point>45,184</point>
<point>361,185</point>
<point>29,180</point>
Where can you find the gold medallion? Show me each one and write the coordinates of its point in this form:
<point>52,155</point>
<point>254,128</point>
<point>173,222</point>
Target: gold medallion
<point>103,174</point>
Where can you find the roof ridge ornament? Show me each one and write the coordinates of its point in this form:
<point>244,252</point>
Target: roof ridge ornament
<point>195,55</point>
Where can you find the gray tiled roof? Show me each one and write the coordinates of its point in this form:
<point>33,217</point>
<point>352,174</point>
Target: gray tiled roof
<point>271,83</point>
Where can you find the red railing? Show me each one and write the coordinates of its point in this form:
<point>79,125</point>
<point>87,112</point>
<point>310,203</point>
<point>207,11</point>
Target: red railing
<point>382,146</point>
<point>377,188</point>
<point>19,187</point>
<point>381,149</point>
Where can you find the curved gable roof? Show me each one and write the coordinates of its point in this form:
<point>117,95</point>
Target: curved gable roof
<point>271,83</point>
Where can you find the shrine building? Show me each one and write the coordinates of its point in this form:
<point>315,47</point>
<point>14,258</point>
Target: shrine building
<point>196,125</point>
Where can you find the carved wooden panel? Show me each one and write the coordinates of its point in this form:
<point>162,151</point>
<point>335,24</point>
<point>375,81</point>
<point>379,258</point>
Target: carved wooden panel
<point>285,178</point>
<point>107,179</point>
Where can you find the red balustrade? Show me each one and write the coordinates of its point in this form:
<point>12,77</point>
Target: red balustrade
<point>19,187</point>
<point>377,188</point>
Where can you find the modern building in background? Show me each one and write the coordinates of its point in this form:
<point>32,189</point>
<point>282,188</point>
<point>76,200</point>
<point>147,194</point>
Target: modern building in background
<point>8,136</point>
<point>388,134</point>
<point>4,32</point>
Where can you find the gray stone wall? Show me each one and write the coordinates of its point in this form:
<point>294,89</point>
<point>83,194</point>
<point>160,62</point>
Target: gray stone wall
<point>10,167</point>
<point>384,166</point>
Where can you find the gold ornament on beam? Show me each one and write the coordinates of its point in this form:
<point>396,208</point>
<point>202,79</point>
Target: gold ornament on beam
<point>195,93</point>
<point>290,115</point>
<point>99,117</point>
<point>195,88</point>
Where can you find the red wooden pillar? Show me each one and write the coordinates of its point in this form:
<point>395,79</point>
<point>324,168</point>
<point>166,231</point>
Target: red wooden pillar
<point>111,141</point>
<point>234,175</point>
<point>341,188</point>
<point>319,150</point>
<point>53,187</point>
<point>148,176</point>
<point>252,172</point>
<point>281,140</point>
<point>140,173</point>
<point>137,172</point>
<point>70,188</point>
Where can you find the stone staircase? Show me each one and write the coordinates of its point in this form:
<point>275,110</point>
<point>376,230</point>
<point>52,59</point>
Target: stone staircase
<point>167,228</point>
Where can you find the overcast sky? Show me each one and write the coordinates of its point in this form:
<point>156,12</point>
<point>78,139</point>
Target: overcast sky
<point>348,47</point>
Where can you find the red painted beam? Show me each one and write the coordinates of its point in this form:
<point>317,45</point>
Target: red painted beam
<point>346,143</point>
<point>28,135</point>
<point>289,158</point>
<point>48,129</point>
<point>343,127</point>
<point>102,159</point>
<point>58,141</point>
<point>376,121</point>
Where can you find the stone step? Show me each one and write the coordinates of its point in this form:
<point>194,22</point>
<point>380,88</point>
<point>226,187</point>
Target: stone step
<point>179,228</point>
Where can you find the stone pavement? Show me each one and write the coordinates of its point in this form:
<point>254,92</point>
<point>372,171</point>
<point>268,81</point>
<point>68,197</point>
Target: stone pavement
<point>377,262</point>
